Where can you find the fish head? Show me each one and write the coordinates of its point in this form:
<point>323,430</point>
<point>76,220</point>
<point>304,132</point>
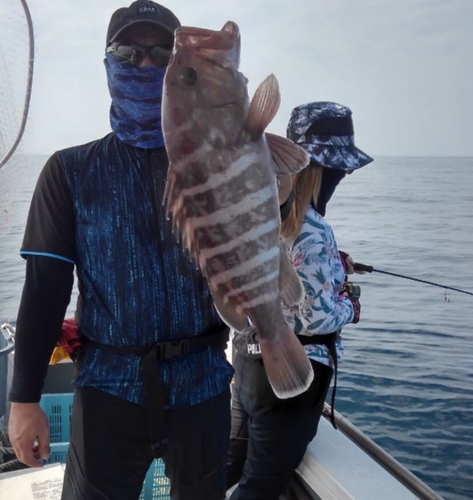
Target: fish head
<point>203,88</point>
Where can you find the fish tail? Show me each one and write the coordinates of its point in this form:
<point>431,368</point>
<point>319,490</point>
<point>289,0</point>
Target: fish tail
<point>286,363</point>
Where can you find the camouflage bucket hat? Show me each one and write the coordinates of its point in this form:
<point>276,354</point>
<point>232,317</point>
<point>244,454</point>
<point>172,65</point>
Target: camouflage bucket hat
<point>325,131</point>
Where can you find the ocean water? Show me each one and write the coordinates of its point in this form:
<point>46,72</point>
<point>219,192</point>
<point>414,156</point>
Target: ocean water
<point>406,379</point>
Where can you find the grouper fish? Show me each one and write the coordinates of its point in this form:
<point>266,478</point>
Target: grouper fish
<point>222,193</point>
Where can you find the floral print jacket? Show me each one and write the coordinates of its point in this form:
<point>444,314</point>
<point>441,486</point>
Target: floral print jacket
<point>314,255</point>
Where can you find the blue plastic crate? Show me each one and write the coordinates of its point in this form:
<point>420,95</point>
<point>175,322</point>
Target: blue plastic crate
<point>156,485</point>
<point>58,453</point>
<point>58,408</point>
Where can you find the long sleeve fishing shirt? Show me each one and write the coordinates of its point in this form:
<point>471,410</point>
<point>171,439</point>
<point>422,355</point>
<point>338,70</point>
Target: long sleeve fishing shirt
<point>314,254</point>
<point>97,209</point>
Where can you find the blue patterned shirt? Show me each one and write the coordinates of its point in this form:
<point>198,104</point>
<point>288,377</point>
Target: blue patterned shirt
<point>314,255</point>
<point>137,286</point>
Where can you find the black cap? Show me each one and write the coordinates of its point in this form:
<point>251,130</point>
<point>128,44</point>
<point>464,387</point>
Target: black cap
<point>141,11</point>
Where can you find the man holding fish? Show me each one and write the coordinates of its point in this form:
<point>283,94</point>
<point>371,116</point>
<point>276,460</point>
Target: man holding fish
<point>152,376</point>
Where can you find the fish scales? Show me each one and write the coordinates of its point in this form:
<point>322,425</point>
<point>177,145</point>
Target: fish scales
<point>241,205</point>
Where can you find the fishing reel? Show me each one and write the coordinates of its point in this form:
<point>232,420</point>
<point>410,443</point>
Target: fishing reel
<point>351,290</point>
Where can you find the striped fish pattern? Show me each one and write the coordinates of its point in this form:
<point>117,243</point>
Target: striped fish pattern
<point>223,195</point>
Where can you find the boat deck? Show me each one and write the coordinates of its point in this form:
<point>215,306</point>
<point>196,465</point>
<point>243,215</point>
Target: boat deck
<point>335,468</point>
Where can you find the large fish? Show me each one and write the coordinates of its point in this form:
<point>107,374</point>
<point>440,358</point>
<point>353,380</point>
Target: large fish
<point>222,192</point>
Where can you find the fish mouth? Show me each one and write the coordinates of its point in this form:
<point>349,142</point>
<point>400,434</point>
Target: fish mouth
<point>224,39</point>
<point>203,39</point>
<point>222,47</point>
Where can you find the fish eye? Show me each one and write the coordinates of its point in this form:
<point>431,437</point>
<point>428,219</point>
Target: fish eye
<point>188,76</point>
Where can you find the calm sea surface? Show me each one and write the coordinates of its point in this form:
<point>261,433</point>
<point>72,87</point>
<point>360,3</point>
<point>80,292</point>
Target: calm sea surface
<point>406,379</point>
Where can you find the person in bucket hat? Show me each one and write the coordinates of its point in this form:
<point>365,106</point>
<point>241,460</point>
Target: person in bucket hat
<point>269,436</point>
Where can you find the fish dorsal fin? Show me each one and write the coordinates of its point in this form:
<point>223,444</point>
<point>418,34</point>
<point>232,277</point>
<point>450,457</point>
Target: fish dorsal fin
<point>288,158</point>
<point>263,107</point>
<point>290,285</point>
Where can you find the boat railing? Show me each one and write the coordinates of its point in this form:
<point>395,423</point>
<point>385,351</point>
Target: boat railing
<point>382,457</point>
<point>6,340</point>
<point>8,333</point>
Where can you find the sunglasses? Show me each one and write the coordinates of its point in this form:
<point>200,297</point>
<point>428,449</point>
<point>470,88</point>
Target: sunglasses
<point>134,53</point>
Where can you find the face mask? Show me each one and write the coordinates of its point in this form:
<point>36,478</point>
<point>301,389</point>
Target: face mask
<point>135,114</point>
<point>331,177</point>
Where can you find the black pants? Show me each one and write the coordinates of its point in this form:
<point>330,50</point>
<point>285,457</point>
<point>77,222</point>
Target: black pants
<point>269,436</point>
<point>110,451</point>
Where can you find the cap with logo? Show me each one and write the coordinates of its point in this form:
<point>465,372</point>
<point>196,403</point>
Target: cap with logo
<point>141,11</point>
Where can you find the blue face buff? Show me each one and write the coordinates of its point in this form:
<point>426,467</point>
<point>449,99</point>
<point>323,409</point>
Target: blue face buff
<point>135,114</point>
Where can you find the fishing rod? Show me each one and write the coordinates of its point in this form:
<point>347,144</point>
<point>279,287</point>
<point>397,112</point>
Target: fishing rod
<point>370,269</point>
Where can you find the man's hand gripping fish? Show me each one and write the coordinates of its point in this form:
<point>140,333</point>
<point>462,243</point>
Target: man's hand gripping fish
<point>222,192</point>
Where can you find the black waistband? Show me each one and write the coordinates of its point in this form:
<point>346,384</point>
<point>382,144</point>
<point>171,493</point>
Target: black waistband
<point>168,349</point>
<point>326,339</point>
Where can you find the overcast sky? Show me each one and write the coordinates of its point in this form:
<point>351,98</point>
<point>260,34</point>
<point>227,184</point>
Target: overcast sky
<point>405,67</point>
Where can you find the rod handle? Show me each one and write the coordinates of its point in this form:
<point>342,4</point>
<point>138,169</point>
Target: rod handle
<point>363,267</point>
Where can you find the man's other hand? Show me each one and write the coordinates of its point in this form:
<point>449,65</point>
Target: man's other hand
<point>28,430</point>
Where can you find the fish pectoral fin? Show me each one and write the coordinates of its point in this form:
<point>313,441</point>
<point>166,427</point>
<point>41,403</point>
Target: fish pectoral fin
<point>228,314</point>
<point>288,158</point>
<point>290,285</point>
<point>263,107</point>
